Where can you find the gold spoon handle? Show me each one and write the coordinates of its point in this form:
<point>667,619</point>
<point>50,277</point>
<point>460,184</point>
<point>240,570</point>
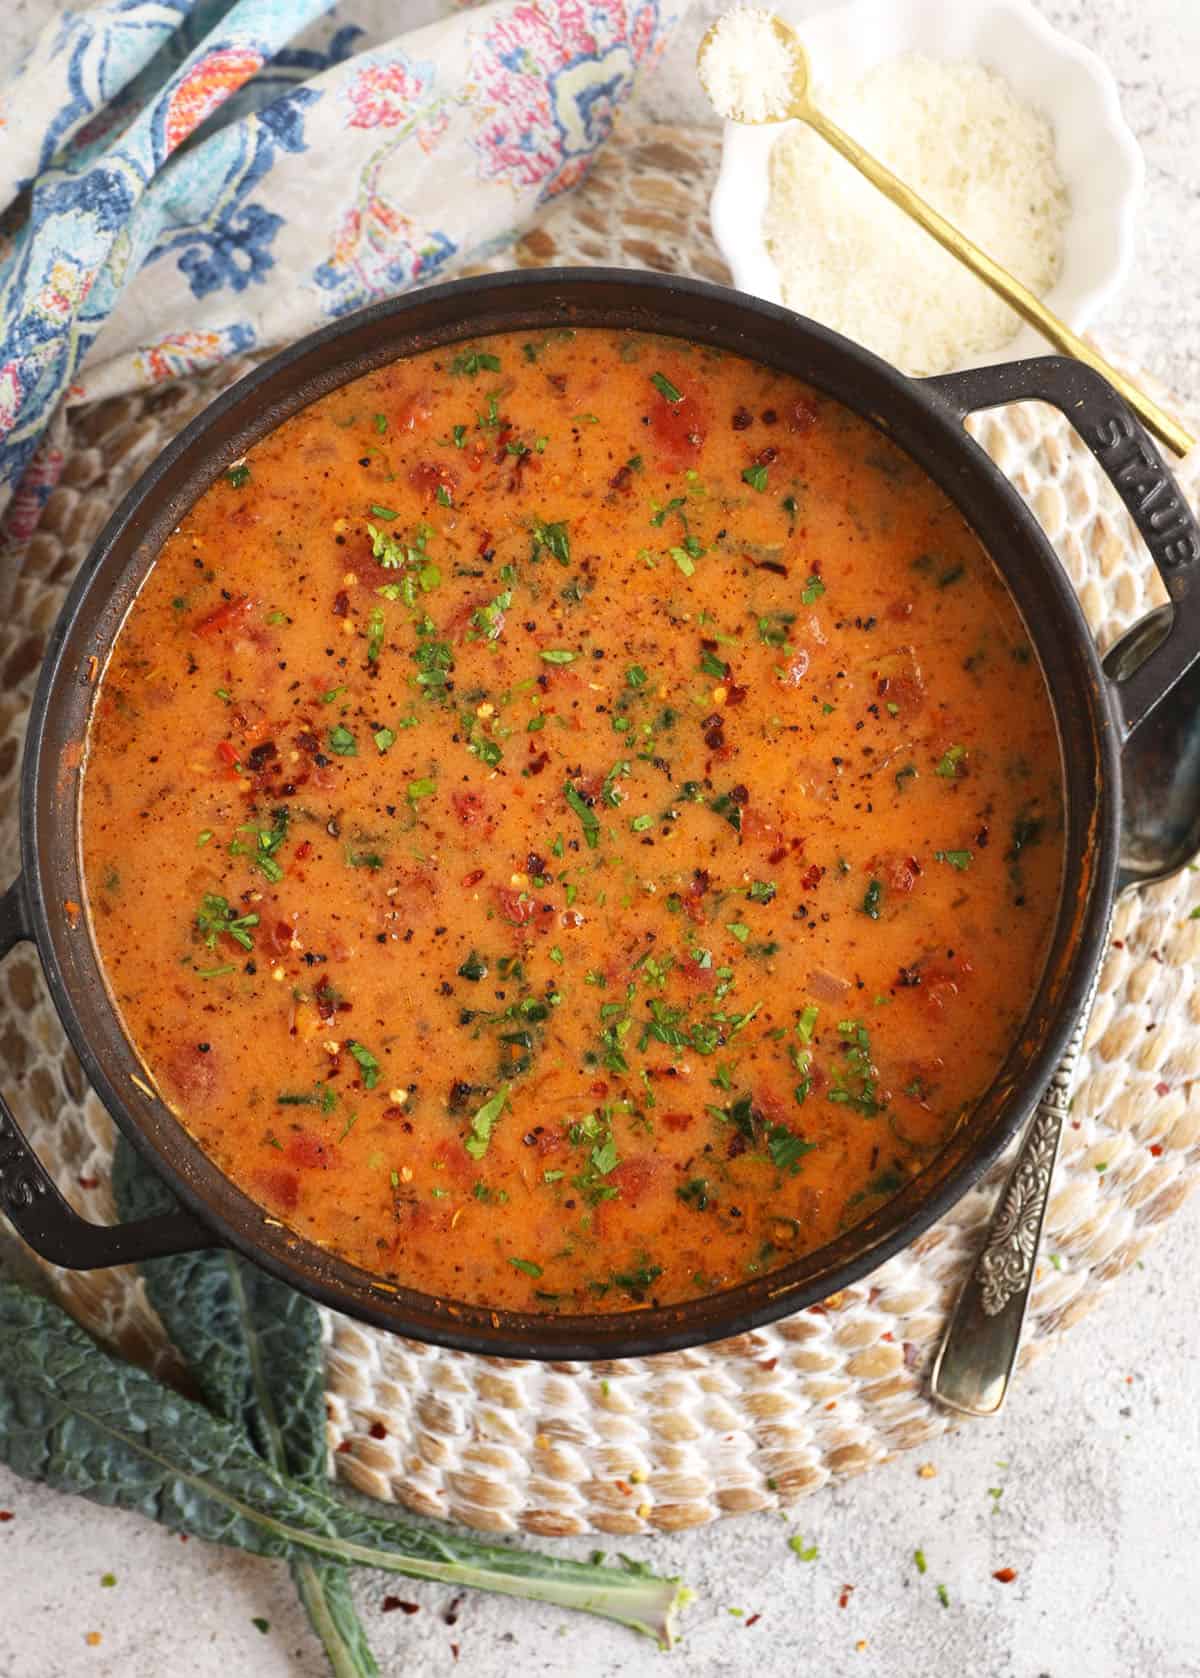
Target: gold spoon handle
<point>1018,296</point>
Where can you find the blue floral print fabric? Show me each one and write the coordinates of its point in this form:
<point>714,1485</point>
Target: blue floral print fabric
<point>184,181</point>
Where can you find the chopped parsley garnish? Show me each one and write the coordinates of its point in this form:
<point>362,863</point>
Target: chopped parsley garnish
<point>424,788</point>
<point>380,423</point>
<point>484,1123</point>
<point>761,891</point>
<point>636,677</point>
<point>443,496</point>
<point>807,1023</point>
<point>727,806</point>
<point>813,589</point>
<point>216,915</point>
<point>854,1083</point>
<point>957,859</point>
<point>434,660</point>
<point>695,1193</point>
<point>489,619</point>
<point>756,477</point>
<point>947,766</point>
<point>238,476</point>
<point>471,362</point>
<point>787,1149</point>
<point>474,968</point>
<point>384,739</point>
<point>366,1061</point>
<point>639,1279</point>
<point>684,561</point>
<point>526,1266</point>
<point>908,773</point>
<point>555,537</point>
<point>773,629</point>
<point>872,900</point>
<point>665,388</point>
<point>558,655</point>
<point>587,816</point>
<point>376,633</point>
<point>342,743</point>
<point>806,1552</point>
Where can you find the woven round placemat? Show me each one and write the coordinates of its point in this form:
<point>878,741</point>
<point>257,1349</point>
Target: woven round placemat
<point>660,1443</point>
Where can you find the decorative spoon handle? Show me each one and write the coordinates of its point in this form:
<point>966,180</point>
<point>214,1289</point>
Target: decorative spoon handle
<point>977,1355</point>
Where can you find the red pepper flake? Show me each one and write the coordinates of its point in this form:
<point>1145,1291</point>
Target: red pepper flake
<point>1162,1089</point>
<point>454,1650</point>
<point>341,604</point>
<point>390,1603</point>
<point>344,1447</point>
<point>1118,943</point>
<point>450,1617</point>
<point>753,1620</point>
<point>473,878</point>
<point>378,1431</point>
<point>1156,1149</point>
<point>1005,1575</point>
<point>847,1593</point>
<point>89,1182</point>
<point>6,1515</point>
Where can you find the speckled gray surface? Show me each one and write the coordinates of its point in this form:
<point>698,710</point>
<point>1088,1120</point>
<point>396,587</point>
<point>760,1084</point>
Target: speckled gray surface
<point>1086,1485</point>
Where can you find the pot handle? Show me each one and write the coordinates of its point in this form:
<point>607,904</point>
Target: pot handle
<point>31,1201</point>
<point>1149,492</point>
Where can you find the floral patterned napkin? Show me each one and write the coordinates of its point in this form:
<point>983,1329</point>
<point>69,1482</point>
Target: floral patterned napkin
<point>186,179</point>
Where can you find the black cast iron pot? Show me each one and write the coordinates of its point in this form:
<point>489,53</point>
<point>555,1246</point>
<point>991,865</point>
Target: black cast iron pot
<point>1099,723</point>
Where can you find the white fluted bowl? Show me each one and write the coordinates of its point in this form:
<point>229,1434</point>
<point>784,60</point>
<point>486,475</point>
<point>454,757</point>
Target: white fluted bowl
<point>1098,156</point>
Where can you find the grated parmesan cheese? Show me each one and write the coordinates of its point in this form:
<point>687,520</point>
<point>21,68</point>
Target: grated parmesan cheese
<point>745,68</point>
<point>958,135</point>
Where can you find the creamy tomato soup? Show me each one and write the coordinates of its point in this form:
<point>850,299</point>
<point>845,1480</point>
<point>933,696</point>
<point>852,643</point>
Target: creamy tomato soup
<point>572,821</point>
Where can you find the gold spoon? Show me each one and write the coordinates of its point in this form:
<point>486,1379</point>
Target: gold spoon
<point>1018,296</point>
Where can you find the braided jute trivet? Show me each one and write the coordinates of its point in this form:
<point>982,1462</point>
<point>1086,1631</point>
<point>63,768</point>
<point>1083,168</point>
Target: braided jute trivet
<point>673,1441</point>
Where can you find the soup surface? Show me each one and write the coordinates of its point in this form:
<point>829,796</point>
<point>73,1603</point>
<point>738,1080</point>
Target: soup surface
<point>572,821</point>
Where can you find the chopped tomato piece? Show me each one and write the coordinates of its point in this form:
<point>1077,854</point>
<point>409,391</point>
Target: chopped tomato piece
<point>472,810</point>
<point>310,1152</point>
<point>280,1189</point>
<point>229,615</point>
<point>679,428</point>
<point>636,1176</point>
